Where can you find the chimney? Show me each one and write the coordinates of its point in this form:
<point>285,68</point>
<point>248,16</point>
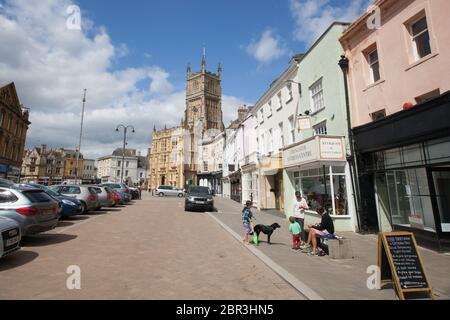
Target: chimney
<point>242,112</point>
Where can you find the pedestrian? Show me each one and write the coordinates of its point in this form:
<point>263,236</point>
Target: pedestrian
<point>247,217</point>
<point>300,206</point>
<point>295,230</point>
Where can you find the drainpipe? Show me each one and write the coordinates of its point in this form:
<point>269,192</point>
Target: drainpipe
<point>344,64</point>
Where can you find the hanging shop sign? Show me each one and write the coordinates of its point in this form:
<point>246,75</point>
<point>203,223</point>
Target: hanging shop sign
<point>304,122</point>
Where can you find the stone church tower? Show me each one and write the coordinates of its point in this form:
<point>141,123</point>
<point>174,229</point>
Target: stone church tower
<point>204,99</point>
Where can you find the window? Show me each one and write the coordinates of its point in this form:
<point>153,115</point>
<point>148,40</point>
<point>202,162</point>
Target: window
<point>261,116</point>
<point>317,96</point>
<point>126,173</point>
<point>128,164</point>
<point>291,95</point>
<point>10,120</point>
<point>7,196</point>
<point>428,96</point>
<point>374,65</point>
<point>421,38</point>
<point>378,115</point>
<point>280,127</point>
<point>280,101</point>
<point>118,173</point>
<point>119,163</point>
<point>270,109</point>
<point>1,118</point>
<point>270,141</point>
<point>292,124</point>
<point>321,129</point>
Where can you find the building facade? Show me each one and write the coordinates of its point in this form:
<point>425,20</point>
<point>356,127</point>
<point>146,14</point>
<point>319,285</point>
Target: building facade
<point>176,153</point>
<point>89,171</point>
<point>118,167</point>
<point>316,163</point>
<point>400,104</point>
<point>14,126</point>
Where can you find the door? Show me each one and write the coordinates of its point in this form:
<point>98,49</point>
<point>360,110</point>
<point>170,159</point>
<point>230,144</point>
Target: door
<point>441,181</point>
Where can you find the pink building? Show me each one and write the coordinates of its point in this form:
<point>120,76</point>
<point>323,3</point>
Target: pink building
<point>399,82</point>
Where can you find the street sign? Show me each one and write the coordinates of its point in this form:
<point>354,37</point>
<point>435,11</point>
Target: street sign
<point>400,263</point>
<point>304,122</point>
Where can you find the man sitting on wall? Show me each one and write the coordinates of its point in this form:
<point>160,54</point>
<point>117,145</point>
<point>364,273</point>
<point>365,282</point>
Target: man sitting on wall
<point>323,230</point>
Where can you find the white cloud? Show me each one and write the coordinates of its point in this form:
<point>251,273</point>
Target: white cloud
<point>313,17</point>
<point>267,48</point>
<point>51,66</point>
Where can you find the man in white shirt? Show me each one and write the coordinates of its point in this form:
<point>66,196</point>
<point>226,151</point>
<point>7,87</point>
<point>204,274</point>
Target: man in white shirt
<point>299,213</point>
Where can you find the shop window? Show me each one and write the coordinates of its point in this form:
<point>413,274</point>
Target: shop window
<point>409,199</point>
<point>441,181</point>
<point>412,155</point>
<point>392,158</point>
<point>438,151</point>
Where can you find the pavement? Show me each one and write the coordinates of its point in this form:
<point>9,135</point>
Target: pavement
<point>150,250</point>
<point>322,277</point>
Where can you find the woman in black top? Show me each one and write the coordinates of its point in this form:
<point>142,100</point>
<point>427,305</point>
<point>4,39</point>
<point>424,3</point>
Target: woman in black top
<point>325,229</point>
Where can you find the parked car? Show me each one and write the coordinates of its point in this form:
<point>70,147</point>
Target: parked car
<point>33,209</point>
<point>121,189</point>
<point>70,206</point>
<point>9,236</point>
<point>116,197</point>
<point>85,194</point>
<point>135,194</point>
<point>105,197</point>
<point>199,198</point>
<point>169,191</point>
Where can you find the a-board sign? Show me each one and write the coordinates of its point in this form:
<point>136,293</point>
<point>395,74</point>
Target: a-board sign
<point>400,263</point>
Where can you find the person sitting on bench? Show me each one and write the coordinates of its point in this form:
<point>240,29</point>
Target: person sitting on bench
<point>324,230</point>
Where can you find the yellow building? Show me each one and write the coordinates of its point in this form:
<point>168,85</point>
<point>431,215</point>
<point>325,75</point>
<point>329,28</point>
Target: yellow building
<point>70,165</point>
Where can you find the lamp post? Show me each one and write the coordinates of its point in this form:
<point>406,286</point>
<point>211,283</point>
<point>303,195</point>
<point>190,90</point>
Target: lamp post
<point>344,64</point>
<point>125,130</point>
<point>81,136</point>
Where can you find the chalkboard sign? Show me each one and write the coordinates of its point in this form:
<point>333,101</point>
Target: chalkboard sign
<point>400,263</point>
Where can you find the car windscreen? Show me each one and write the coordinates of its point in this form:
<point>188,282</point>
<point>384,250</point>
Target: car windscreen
<point>199,190</point>
<point>93,190</point>
<point>114,186</point>
<point>37,196</point>
<point>51,192</point>
<point>70,190</point>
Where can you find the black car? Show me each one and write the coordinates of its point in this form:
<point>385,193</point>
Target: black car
<point>199,198</point>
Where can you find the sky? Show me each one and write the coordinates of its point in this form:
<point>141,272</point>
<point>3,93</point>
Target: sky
<point>131,56</point>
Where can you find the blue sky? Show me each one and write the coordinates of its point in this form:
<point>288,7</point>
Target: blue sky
<point>132,56</point>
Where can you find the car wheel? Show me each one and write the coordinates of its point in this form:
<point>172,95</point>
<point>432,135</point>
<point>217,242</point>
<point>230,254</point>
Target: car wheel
<point>180,195</point>
<point>84,208</point>
<point>161,194</point>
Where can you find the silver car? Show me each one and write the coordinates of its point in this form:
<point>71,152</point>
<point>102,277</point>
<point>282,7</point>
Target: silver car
<point>86,194</point>
<point>9,236</point>
<point>105,197</point>
<point>33,209</point>
<point>169,191</point>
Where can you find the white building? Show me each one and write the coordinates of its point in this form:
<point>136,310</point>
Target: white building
<point>89,170</point>
<point>133,165</point>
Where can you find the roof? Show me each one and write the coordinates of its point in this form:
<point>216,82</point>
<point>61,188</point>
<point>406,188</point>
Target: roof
<point>128,152</point>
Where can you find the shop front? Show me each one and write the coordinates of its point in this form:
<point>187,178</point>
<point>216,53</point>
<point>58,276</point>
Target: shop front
<point>405,168</point>
<point>236,186</point>
<point>250,181</point>
<point>318,168</point>
<point>271,194</point>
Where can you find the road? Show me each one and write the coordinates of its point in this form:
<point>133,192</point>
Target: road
<point>149,250</point>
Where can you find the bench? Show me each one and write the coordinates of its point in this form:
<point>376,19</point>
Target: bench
<point>337,249</point>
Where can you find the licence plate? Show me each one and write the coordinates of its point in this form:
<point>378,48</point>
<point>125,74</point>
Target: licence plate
<point>12,241</point>
<point>199,202</point>
<point>47,213</point>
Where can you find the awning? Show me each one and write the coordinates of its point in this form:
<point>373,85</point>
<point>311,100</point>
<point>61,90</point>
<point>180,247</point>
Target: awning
<point>270,172</point>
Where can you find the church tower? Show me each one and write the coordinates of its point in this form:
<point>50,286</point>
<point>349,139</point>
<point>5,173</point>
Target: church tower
<point>204,99</point>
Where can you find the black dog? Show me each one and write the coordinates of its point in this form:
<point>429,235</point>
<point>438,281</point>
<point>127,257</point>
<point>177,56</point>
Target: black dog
<point>268,230</point>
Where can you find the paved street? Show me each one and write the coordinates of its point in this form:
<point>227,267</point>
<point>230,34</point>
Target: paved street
<point>149,250</point>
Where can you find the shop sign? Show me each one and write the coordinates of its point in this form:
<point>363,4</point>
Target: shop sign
<point>331,149</point>
<point>317,149</point>
<point>303,153</point>
<point>304,123</point>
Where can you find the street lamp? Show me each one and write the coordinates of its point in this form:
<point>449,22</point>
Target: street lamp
<point>125,130</point>
<point>81,136</point>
